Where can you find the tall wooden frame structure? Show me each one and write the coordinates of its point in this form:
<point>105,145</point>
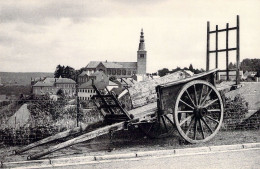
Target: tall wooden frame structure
<point>227,49</point>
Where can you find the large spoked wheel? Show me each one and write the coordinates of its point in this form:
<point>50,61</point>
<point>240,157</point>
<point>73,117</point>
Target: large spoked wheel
<point>161,127</point>
<point>198,111</point>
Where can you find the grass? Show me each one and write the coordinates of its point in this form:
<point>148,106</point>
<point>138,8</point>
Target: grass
<point>126,141</point>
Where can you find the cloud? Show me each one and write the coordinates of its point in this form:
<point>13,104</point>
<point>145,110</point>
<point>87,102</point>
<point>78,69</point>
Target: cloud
<point>43,11</point>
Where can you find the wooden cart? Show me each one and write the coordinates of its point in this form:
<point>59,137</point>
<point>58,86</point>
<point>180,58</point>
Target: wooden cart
<point>192,105</point>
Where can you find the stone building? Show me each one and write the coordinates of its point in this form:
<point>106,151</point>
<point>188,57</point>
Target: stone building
<point>53,85</point>
<point>101,81</point>
<point>120,69</point>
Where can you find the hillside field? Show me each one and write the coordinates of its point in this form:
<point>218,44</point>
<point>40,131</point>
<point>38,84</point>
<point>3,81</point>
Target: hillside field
<point>21,78</point>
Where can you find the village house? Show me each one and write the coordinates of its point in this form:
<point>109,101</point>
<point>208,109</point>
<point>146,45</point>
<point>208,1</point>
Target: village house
<point>100,80</point>
<point>53,85</point>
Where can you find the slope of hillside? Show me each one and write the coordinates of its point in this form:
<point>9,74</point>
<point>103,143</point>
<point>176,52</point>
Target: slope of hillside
<point>21,78</point>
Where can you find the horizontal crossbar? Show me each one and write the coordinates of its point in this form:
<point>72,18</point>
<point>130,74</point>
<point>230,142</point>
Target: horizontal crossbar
<point>222,50</point>
<point>222,30</point>
<point>227,70</point>
<point>103,96</point>
<point>111,106</point>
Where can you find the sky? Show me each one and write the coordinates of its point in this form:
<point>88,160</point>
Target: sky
<point>36,35</point>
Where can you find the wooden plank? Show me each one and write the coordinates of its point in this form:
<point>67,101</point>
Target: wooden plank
<point>79,139</point>
<point>144,92</point>
<point>223,30</point>
<point>56,136</point>
<point>227,59</point>
<point>238,52</point>
<point>195,77</point>
<point>222,50</point>
<point>142,111</point>
<point>216,46</point>
<point>208,47</point>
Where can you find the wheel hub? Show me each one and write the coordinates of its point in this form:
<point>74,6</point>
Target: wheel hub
<point>198,112</point>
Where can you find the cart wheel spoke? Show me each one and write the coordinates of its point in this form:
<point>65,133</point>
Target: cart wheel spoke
<point>190,98</point>
<point>212,119</point>
<point>204,121</point>
<point>195,95</point>
<point>169,120</point>
<point>210,103</point>
<point>186,104</point>
<point>195,129</point>
<point>185,111</point>
<point>202,132</point>
<point>214,110</point>
<point>189,127</point>
<point>200,98</point>
<point>185,120</point>
<point>204,99</point>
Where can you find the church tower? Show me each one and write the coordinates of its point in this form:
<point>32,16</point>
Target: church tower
<point>141,56</point>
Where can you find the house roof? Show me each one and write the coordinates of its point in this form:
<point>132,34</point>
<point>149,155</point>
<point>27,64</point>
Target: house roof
<point>65,80</point>
<point>128,64</point>
<point>94,64</point>
<point>110,83</point>
<point>84,73</point>
<point>98,84</point>
<point>43,84</point>
<point>49,82</point>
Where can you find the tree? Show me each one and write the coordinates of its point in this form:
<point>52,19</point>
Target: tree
<point>250,65</point>
<point>163,72</point>
<point>69,72</point>
<point>232,66</point>
<point>191,68</point>
<point>58,72</point>
<point>65,72</point>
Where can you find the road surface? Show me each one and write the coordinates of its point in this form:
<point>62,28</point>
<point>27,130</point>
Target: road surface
<point>245,158</point>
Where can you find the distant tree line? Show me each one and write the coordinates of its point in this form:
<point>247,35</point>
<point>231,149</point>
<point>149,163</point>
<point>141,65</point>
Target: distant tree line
<point>164,71</point>
<point>248,65</point>
<point>251,65</point>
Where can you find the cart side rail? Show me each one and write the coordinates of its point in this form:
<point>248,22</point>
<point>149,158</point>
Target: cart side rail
<point>208,76</point>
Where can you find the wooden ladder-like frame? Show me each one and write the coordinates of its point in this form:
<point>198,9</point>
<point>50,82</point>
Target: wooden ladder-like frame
<point>227,49</point>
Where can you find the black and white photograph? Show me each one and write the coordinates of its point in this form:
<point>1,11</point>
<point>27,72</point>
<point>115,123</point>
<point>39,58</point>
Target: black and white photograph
<point>132,84</point>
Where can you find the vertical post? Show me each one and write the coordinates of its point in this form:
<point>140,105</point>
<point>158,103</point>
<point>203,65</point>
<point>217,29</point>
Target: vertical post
<point>77,97</point>
<point>217,50</point>
<point>208,41</point>
<point>227,69</point>
<point>238,53</point>
<point>216,46</point>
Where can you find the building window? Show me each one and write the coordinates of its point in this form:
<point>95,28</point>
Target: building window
<point>129,72</point>
<point>114,71</point>
<point>109,71</point>
<point>124,72</point>
<point>134,72</point>
<point>118,72</point>
<point>141,55</point>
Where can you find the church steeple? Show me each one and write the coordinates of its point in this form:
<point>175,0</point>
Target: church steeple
<point>141,56</point>
<point>141,43</point>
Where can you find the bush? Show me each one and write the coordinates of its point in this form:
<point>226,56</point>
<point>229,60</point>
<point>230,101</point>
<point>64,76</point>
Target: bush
<point>235,111</point>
